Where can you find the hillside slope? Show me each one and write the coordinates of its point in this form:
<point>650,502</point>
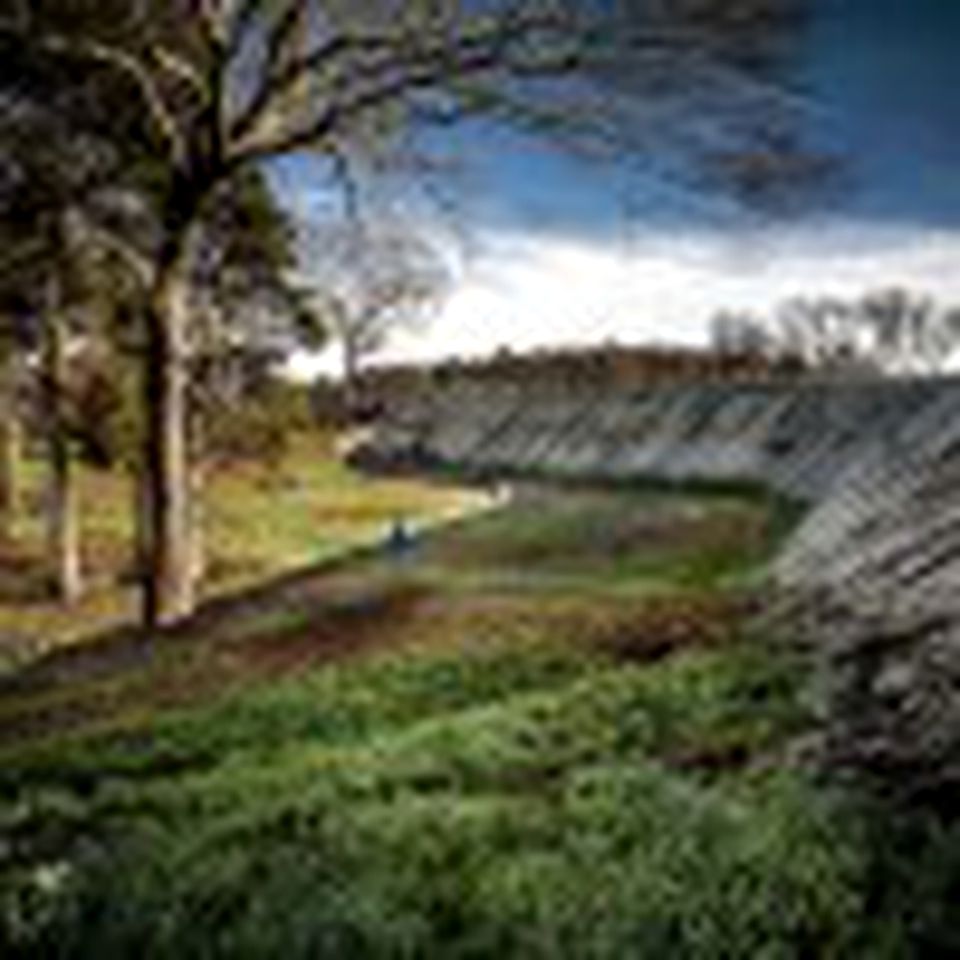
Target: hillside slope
<point>545,734</point>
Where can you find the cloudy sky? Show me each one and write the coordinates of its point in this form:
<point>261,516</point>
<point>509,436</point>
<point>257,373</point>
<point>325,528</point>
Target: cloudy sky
<point>551,249</point>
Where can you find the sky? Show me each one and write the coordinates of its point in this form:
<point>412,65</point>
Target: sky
<point>552,249</point>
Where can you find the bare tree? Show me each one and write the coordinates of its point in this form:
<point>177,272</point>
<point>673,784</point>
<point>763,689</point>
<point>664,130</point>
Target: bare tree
<point>883,332</point>
<point>372,281</point>
<point>822,332</point>
<point>907,331</point>
<point>739,333</point>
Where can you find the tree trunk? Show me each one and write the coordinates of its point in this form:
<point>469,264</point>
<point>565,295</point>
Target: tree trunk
<point>11,444</point>
<point>140,503</point>
<point>351,378</point>
<point>168,572</point>
<point>198,483</point>
<point>63,530</point>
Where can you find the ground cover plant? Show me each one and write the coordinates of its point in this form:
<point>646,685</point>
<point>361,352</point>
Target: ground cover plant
<point>512,741</point>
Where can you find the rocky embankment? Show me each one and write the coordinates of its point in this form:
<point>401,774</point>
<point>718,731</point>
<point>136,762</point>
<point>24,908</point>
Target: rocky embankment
<point>870,579</point>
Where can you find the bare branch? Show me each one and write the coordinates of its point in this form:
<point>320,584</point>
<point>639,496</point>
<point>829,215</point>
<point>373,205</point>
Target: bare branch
<point>214,23</point>
<point>519,46</point>
<point>273,88</point>
<point>419,75</point>
<point>508,32</point>
<point>180,68</point>
<point>283,32</point>
<point>140,265</point>
<point>351,185</point>
<point>240,20</point>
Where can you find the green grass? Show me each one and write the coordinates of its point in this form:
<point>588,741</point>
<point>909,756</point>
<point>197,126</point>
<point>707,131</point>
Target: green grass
<point>315,508</point>
<point>503,801</point>
<point>585,539</point>
<point>516,768</point>
<point>259,523</point>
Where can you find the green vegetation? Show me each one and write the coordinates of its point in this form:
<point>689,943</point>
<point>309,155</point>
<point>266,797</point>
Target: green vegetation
<point>589,538</point>
<point>503,745</point>
<point>261,520</point>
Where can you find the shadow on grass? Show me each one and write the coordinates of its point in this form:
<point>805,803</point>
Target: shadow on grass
<point>130,646</point>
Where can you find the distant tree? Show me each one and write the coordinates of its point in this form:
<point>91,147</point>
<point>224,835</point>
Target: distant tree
<point>739,333</point>
<point>907,331</point>
<point>823,332</point>
<point>47,195</point>
<point>372,282</point>
<point>890,331</point>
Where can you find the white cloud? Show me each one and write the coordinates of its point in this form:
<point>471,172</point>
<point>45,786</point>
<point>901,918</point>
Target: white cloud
<point>523,291</point>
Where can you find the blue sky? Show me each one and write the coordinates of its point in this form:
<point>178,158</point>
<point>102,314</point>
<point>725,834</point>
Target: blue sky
<point>555,250</point>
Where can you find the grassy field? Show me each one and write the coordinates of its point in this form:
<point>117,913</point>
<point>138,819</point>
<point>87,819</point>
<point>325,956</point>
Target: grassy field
<point>546,733</point>
<point>259,523</point>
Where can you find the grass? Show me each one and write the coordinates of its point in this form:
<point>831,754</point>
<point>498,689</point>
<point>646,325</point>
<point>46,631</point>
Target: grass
<point>502,801</point>
<point>259,524</point>
<point>546,733</point>
<point>590,537</point>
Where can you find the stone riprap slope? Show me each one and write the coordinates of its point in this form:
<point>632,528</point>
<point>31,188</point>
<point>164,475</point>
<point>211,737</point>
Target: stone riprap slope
<point>796,438</point>
<point>871,578</point>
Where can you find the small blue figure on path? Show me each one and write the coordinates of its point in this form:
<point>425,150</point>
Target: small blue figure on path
<point>400,540</point>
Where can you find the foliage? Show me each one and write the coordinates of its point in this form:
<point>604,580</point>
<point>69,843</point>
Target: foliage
<point>505,788</point>
<point>503,801</point>
<point>104,412</point>
<point>261,427</point>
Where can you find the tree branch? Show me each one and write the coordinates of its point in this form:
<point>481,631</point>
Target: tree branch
<point>403,50</point>
<point>179,68</point>
<point>127,64</point>
<point>273,88</point>
<point>419,75</point>
<point>139,264</point>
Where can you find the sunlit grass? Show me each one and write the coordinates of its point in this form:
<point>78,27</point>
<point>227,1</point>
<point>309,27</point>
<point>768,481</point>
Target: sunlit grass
<point>313,508</point>
<point>259,523</point>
